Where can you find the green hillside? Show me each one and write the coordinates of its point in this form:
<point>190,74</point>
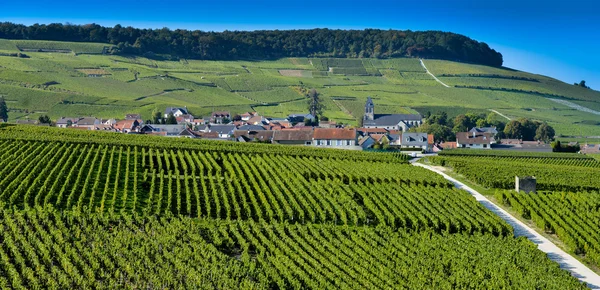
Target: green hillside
<point>79,80</point>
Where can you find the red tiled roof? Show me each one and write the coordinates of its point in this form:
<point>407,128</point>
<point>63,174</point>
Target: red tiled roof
<point>293,135</point>
<point>334,134</point>
<point>377,137</point>
<point>219,114</point>
<point>125,124</point>
<point>448,145</point>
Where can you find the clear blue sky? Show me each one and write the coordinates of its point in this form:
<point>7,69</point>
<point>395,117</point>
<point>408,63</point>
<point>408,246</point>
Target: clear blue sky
<point>560,39</point>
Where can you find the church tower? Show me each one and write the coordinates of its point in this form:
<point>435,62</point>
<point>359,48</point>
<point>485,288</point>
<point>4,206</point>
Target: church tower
<point>369,110</point>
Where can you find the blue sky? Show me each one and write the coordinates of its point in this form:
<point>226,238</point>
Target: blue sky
<point>560,39</point>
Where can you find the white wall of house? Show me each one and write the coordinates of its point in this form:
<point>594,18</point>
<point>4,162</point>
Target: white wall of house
<point>474,146</point>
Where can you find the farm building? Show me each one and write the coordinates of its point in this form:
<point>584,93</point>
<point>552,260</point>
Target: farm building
<point>336,138</point>
<point>177,112</point>
<point>474,140</point>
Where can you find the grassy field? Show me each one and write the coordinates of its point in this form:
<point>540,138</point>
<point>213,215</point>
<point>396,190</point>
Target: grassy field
<point>63,84</point>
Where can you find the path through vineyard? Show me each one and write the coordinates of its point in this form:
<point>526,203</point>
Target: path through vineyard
<point>566,261</point>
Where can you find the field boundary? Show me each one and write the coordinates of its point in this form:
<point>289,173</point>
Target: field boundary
<point>566,261</point>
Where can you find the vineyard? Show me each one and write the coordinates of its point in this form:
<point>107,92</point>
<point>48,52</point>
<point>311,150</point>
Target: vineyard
<point>43,249</point>
<point>566,172</point>
<point>568,200</point>
<point>83,209</point>
<point>573,217</point>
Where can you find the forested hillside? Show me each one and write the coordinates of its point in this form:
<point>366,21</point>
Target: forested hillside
<point>266,44</point>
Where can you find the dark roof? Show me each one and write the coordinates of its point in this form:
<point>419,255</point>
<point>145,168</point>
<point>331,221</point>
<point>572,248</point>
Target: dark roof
<point>251,128</point>
<point>170,129</point>
<point>64,120</point>
<point>369,102</point>
<point>220,114</point>
<point>484,130</point>
<point>478,138</point>
<point>86,121</point>
<point>222,129</point>
<point>334,134</point>
<point>414,139</point>
<point>293,135</point>
<point>392,119</point>
<point>263,135</point>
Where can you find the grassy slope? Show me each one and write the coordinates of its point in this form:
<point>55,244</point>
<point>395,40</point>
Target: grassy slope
<point>140,85</point>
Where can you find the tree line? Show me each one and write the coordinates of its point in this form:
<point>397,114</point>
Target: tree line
<point>265,44</point>
<point>445,129</point>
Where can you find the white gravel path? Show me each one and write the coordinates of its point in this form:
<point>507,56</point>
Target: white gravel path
<point>423,65</point>
<point>501,115</point>
<point>566,261</point>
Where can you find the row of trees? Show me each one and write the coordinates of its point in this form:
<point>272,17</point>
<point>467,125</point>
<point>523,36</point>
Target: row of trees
<point>264,44</point>
<point>528,130</point>
<point>445,129</point>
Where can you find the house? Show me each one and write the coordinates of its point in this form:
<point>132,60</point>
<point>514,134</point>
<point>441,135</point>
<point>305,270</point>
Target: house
<point>293,137</point>
<point>284,123</point>
<point>88,122</point>
<point>246,116</point>
<point>127,126</point>
<point>369,131</point>
<point>251,128</point>
<point>328,124</point>
<point>336,138</point>
<point>133,117</point>
<point>209,135</point>
<point>389,121</point>
<point>167,130</point>
<point>175,111</point>
<point>185,119</point>
<point>197,122</point>
<point>66,122</point>
<point>109,122</point>
<point>257,120</point>
<point>202,128</point>
<point>224,131</point>
<point>395,139</point>
<point>188,133</point>
<point>490,130</point>
<point>297,118</point>
<point>380,139</point>
<point>220,117</point>
<point>253,136</point>
<point>474,140</point>
<point>415,140</point>
<point>366,142</point>
<point>590,149</point>
<point>103,127</point>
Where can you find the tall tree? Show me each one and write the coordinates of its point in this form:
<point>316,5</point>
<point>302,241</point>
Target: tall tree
<point>3,109</point>
<point>513,130</point>
<point>314,103</point>
<point>544,133</point>
<point>171,120</point>
<point>44,119</point>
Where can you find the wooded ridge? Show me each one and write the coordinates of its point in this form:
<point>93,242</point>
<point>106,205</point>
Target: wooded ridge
<point>265,44</point>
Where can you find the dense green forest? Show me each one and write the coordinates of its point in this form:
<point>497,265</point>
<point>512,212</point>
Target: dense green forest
<point>265,44</point>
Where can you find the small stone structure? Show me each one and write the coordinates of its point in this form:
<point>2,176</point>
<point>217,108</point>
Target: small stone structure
<point>526,184</point>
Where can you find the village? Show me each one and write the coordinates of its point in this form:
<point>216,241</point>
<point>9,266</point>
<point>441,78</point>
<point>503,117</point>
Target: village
<point>381,132</point>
